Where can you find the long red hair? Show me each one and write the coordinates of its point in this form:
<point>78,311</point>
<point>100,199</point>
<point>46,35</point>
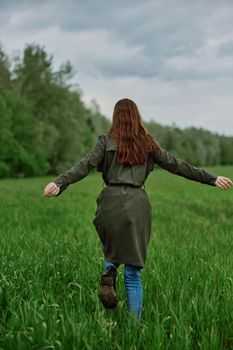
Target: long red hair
<point>135,144</point>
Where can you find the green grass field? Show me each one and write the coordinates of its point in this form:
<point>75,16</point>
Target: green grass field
<point>51,260</point>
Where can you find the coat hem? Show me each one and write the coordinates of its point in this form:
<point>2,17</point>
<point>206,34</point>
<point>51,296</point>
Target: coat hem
<point>124,262</point>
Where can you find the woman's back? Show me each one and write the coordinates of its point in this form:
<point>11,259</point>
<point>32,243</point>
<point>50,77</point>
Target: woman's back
<point>115,173</point>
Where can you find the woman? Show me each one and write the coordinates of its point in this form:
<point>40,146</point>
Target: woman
<point>126,156</point>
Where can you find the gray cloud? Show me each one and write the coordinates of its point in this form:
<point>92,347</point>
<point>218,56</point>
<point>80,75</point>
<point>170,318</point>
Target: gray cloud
<point>154,31</point>
<point>175,43</point>
<point>226,49</point>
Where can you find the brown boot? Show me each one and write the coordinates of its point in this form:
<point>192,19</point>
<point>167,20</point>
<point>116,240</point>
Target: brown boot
<point>107,292</point>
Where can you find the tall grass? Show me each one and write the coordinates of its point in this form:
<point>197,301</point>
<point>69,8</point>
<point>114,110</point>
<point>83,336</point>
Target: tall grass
<point>51,261</point>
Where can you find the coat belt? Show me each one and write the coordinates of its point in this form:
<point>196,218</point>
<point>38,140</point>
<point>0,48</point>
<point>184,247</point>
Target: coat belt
<point>123,184</point>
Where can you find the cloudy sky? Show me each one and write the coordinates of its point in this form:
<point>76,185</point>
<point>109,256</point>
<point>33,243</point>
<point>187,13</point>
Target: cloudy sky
<point>174,58</point>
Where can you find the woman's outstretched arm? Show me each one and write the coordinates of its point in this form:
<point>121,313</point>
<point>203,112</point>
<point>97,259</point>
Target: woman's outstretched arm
<point>80,170</point>
<point>180,167</point>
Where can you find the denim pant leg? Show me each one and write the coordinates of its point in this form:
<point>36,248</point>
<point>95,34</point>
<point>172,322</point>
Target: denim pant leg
<point>133,287</point>
<point>109,263</point>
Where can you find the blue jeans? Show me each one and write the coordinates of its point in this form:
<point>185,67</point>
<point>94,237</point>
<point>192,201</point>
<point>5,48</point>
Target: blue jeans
<point>133,287</point>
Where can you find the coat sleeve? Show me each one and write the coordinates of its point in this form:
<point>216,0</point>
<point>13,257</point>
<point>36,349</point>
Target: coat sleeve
<point>82,168</point>
<point>180,167</point>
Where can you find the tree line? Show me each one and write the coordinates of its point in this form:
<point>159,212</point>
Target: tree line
<point>45,127</point>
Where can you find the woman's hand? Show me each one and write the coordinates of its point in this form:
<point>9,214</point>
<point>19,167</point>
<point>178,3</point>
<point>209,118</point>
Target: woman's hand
<point>223,182</point>
<point>51,190</point>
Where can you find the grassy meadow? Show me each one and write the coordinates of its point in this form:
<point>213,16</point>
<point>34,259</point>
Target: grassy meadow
<point>51,260</point>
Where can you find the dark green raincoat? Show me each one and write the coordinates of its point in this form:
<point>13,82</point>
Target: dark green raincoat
<point>123,214</point>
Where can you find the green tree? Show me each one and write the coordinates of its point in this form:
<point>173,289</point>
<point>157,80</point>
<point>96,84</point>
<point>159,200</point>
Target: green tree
<point>5,75</point>
<point>20,139</point>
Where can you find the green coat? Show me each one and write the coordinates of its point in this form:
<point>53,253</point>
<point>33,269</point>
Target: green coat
<point>123,215</point>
